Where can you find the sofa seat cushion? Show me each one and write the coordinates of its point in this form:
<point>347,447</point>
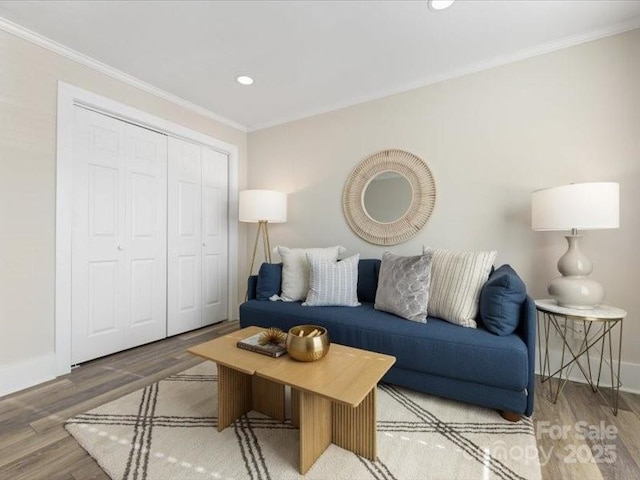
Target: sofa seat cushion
<point>437,347</point>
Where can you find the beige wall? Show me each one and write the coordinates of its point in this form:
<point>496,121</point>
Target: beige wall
<point>28,93</point>
<point>490,138</point>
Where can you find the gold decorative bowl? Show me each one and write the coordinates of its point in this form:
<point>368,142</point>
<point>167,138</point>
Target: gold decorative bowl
<point>306,348</point>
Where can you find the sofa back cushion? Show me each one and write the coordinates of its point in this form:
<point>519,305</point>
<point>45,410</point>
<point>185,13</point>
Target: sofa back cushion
<point>501,301</point>
<point>368,270</point>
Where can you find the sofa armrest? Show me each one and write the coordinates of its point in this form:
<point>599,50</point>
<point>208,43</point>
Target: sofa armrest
<point>527,331</point>
<point>252,284</point>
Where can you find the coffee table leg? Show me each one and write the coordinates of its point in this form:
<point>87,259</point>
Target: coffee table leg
<point>315,428</point>
<point>234,395</point>
<point>268,398</point>
<point>295,407</point>
<point>354,429</point>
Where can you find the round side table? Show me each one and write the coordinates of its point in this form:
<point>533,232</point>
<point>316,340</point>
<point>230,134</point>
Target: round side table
<point>595,328</point>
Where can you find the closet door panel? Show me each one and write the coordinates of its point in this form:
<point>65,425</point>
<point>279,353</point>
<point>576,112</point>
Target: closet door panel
<point>184,294</point>
<point>118,236</point>
<point>146,235</point>
<point>98,295</point>
<point>214,236</point>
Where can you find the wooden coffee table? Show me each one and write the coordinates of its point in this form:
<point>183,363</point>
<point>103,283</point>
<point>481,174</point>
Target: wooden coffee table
<point>333,400</point>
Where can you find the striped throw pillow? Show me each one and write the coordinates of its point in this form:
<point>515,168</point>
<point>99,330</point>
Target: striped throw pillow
<point>333,283</point>
<point>456,282</point>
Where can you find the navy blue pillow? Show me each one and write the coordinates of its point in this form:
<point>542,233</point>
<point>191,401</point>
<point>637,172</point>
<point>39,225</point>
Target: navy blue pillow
<point>368,269</point>
<point>501,300</point>
<point>269,280</point>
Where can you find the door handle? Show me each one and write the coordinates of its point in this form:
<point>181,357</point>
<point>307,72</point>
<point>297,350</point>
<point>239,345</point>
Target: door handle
<point>120,247</point>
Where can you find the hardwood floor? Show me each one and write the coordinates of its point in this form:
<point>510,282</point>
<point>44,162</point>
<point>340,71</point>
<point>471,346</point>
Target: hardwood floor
<point>35,445</point>
<point>33,442</point>
<point>580,438</point>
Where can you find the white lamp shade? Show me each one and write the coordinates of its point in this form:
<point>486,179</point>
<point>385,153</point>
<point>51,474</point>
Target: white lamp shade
<point>262,205</point>
<point>583,206</point>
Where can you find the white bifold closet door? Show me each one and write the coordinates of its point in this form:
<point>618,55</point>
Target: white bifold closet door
<point>197,236</point>
<point>119,240</point>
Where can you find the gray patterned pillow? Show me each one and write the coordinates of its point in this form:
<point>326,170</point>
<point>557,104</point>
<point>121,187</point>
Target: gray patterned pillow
<point>403,286</point>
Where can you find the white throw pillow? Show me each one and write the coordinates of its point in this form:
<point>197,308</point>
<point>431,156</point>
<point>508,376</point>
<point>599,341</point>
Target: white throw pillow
<point>333,283</point>
<point>295,269</point>
<point>456,281</point>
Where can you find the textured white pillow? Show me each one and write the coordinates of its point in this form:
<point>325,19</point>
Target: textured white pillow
<point>295,269</point>
<point>456,281</point>
<point>333,283</point>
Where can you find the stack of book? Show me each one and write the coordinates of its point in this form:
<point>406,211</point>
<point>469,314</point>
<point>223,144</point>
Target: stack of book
<point>253,344</point>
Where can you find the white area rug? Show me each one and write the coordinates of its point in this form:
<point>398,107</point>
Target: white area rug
<point>168,431</point>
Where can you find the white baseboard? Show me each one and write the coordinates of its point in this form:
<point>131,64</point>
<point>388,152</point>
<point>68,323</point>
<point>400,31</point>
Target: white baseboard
<point>27,373</point>
<point>629,372</point>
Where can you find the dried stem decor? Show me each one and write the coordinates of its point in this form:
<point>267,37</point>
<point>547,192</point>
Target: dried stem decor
<point>273,335</point>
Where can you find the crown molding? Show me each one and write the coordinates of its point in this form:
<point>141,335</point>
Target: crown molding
<point>53,46</point>
<point>549,47</point>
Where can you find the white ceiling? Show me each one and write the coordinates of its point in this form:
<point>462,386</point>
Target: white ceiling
<point>309,57</point>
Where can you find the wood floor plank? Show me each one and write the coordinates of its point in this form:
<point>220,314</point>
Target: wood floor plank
<point>55,461</point>
<point>596,422</point>
<point>557,440</point>
<point>9,438</point>
<point>622,432</point>
<point>12,401</point>
<point>588,443</point>
<point>88,469</point>
<point>61,416</point>
<point>632,402</point>
<point>31,445</point>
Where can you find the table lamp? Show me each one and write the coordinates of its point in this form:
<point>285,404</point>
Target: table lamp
<point>579,206</point>
<point>262,207</point>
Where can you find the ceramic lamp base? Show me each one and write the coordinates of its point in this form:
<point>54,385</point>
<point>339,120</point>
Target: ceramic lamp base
<point>576,292</point>
<point>575,289</point>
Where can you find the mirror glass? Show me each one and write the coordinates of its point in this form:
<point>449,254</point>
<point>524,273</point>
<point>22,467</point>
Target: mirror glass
<point>387,197</point>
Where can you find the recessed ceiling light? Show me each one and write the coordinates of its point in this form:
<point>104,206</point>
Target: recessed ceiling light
<point>244,80</point>
<point>440,4</point>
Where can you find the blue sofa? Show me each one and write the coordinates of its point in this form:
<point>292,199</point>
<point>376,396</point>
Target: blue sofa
<point>439,358</point>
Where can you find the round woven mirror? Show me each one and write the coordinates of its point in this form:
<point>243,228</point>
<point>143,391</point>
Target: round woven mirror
<point>371,185</point>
